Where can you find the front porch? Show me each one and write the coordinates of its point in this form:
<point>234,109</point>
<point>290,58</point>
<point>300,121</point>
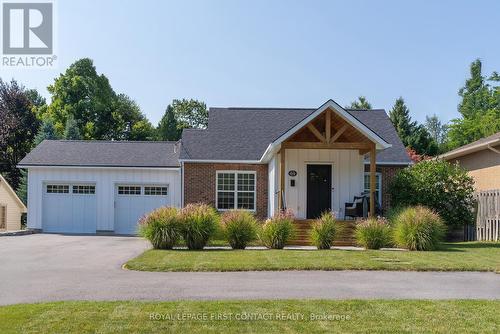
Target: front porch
<point>319,165</point>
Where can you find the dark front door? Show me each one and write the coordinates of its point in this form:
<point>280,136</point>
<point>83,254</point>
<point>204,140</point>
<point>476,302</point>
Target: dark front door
<point>319,190</point>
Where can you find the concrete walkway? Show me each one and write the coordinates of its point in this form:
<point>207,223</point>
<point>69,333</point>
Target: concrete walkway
<point>48,267</point>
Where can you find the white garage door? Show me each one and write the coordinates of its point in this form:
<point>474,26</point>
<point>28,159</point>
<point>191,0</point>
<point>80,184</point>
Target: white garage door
<point>69,208</point>
<point>134,201</point>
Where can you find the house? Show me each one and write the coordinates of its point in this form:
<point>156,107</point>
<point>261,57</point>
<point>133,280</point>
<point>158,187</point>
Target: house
<point>481,159</point>
<point>257,159</point>
<point>11,207</point>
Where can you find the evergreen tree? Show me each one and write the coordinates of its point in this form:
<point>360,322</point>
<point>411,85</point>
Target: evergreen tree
<point>400,117</point>
<point>361,104</point>
<point>71,131</point>
<point>168,127</point>
<point>22,189</point>
<point>47,131</point>
<point>412,135</point>
<point>479,107</point>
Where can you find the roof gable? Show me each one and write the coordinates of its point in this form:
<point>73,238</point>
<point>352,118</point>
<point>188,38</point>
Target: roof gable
<point>5,185</point>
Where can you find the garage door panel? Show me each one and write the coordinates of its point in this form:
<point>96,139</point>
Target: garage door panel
<point>129,208</point>
<point>68,212</point>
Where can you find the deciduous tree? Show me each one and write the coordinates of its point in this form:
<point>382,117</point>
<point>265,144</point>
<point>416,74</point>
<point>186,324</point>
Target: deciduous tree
<point>18,127</point>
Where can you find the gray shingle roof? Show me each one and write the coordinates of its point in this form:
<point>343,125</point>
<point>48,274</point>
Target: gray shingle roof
<point>245,133</point>
<point>478,142</point>
<point>103,154</point>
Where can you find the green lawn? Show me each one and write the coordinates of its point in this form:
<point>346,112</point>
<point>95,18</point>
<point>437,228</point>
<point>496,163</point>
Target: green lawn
<point>472,256</point>
<point>294,316</point>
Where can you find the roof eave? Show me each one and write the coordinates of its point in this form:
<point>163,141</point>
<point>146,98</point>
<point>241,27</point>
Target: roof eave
<point>471,149</point>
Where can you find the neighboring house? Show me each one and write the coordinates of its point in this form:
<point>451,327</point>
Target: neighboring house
<point>481,159</point>
<point>257,159</point>
<point>11,207</point>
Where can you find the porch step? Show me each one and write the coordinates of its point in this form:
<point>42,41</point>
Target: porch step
<point>345,237</point>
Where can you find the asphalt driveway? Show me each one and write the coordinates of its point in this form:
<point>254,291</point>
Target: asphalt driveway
<point>49,267</point>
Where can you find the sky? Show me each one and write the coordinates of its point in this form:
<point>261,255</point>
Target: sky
<point>278,53</point>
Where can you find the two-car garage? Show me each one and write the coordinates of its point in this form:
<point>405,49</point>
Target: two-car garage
<point>72,207</point>
<point>94,186</point>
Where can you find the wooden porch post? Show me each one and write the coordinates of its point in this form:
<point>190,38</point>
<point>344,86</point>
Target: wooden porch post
<point>373,168</point>
<point>281,205</point>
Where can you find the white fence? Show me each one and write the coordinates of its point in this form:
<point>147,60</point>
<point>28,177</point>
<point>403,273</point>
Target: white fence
<point>488,215</point>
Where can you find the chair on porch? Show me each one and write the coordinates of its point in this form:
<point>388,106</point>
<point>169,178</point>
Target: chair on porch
<point>358,208</point>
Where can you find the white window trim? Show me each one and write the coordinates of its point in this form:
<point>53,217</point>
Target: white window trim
<point>129,185</point>
<point>155,186</point>
<point>380,187</point>
<point>236,172</point>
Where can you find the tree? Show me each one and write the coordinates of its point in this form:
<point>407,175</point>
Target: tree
<point>18,127</point>
<point>80,92</point>
<point>190,113</point>
<point>168,128</point>
<point>71,130</point>
<point>412,135</point>
<point>446,188</point>
<point>401,119</point>
<point>436,129</point>
<point>22,189</point>
<point>131,123</point>
<point>47,131</point>
<point>361,104</point>
<point>479,108</point>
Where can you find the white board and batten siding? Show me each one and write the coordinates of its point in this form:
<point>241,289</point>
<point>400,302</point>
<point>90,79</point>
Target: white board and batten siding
<point>105,180</point>
<point>347,177</point>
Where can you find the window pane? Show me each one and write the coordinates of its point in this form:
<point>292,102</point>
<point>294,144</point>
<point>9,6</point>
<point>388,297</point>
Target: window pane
<point>84,189</point>
<point>225,200</point>
<point>225,181</point>
<point>57,189</point>
<point>129,190</point>
<point>246,200</point>
<point>155,191</point>
<point>246,182</point>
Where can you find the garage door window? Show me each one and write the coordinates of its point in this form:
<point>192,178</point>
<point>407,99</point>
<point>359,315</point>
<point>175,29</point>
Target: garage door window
<point>84,189</point>
<point>155,191</point>
<point>129,190</point>
<point>57,189</point>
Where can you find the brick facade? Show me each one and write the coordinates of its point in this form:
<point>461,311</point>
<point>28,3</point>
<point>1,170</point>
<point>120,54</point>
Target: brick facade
<point>387,173</point>
<point>200,182</point>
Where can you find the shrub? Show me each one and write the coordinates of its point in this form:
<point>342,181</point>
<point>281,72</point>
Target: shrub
<point>199,224</point>
<point>161,227</point>
<point>373,233</point>
<point>239,227</point>
<point>324,230</point>
<point>445,188</point>
<point>418,228</point>
<point>278,230</point>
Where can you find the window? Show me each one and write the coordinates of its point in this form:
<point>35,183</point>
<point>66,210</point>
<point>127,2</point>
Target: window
<point>235,190</point>
<point>3,217</point>
<point>57,189</point>
<point>84,189</point>
<point>155,191</point>
<point>378,185</point>
<point>129,190</point>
